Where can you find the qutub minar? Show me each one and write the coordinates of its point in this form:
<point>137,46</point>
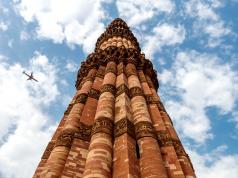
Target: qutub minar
<point>116,125</point>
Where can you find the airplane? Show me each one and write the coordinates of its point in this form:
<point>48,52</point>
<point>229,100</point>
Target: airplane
<point>30,77</point>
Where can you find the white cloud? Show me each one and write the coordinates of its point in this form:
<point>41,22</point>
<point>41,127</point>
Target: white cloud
<point>215,164</point>
<point>25,127</point>
<point>136,12</point>
<point>200,81</point>
<point>3,9</point>
<point>163,35</point>
<point>24,35</point>
<point>207,20</point>
<point>10,43</point>
<point>71,66</point>
<point>3,26</point>
<point>76,22</point>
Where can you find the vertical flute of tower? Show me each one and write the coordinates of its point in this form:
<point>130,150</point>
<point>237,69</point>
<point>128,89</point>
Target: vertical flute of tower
<point>57,159</point>
<point>116,125</point>
<point>171,146</point>
<point>125,161</point>
<point>99,159</point>
<point>172,164</point>
<point>151,163</point>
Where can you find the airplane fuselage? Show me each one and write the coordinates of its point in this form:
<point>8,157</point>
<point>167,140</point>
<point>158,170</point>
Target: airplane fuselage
<point>30,77</point>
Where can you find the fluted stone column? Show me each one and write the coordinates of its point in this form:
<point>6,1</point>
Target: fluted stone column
<point>57,159</point>
<point>125,161</point>
<point>75,163</point>
<point>151,163</point>
<point>170,158</point>
<point>183,158</point>
<point>178,163</point>
<point>99,159</point>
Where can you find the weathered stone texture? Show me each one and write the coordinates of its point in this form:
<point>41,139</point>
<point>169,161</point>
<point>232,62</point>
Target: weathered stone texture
<point>115,125</point>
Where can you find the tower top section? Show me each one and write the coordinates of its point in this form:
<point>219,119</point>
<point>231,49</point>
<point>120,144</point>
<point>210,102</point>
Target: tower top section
<point>117,29</point>
<point>117,44</point>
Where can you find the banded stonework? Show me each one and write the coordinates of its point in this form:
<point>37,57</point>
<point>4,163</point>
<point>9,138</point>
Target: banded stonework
<point>116,125</point>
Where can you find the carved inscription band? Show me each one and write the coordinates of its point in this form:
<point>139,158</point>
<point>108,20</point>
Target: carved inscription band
<point>124,126</point>
<point>94,93</point>
<point>104,125</point>
<point>179,148</point>
<point>65,138</point>
<point>136,91</point>
<point>123,89</point>
<point>108,88</point>
<point>164,138</point>
<point>150,99</point>
<point>161,106</point>
<point>83,132</point>
<point>81,98</point>
<point>144,129</point>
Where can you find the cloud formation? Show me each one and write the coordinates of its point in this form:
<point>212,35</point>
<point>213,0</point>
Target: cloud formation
<point>200,81</point>
<point>75,22</point>
<point>215,164</point>
<point>25,128</point>
<point>137,12</point>
<point>207,20</point>
<point>163,35</point>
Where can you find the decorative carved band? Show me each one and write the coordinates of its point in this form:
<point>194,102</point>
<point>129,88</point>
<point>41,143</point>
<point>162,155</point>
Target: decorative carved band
<point>48,150</point>
<point>132,61</point>
<point>118,54</point>
<point>150,99</point>
<point>70,106</point>
<point>84,132</point>
<point>100,72</point>
<point>103,124</point>
<point>179,148</point>
<point>111,69</point>
<point>81,98</point>
<point>136,91</point>
<point>124,126</point>
<point>144,129</point>
<point>122,89</point>
<point>161,106</point>
<point>108,88</point>
<point>94,93</point>
<point>141,77</point>
<point>164,138</point>
<point>65,138</point>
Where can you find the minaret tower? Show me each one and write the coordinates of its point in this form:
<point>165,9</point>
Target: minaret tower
<point>116,125</point>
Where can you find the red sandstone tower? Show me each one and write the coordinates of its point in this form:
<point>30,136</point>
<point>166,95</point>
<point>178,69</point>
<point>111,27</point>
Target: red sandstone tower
<point>116,125</point>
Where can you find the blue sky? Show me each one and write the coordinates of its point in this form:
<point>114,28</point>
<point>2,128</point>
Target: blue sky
<point>192,44</point>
